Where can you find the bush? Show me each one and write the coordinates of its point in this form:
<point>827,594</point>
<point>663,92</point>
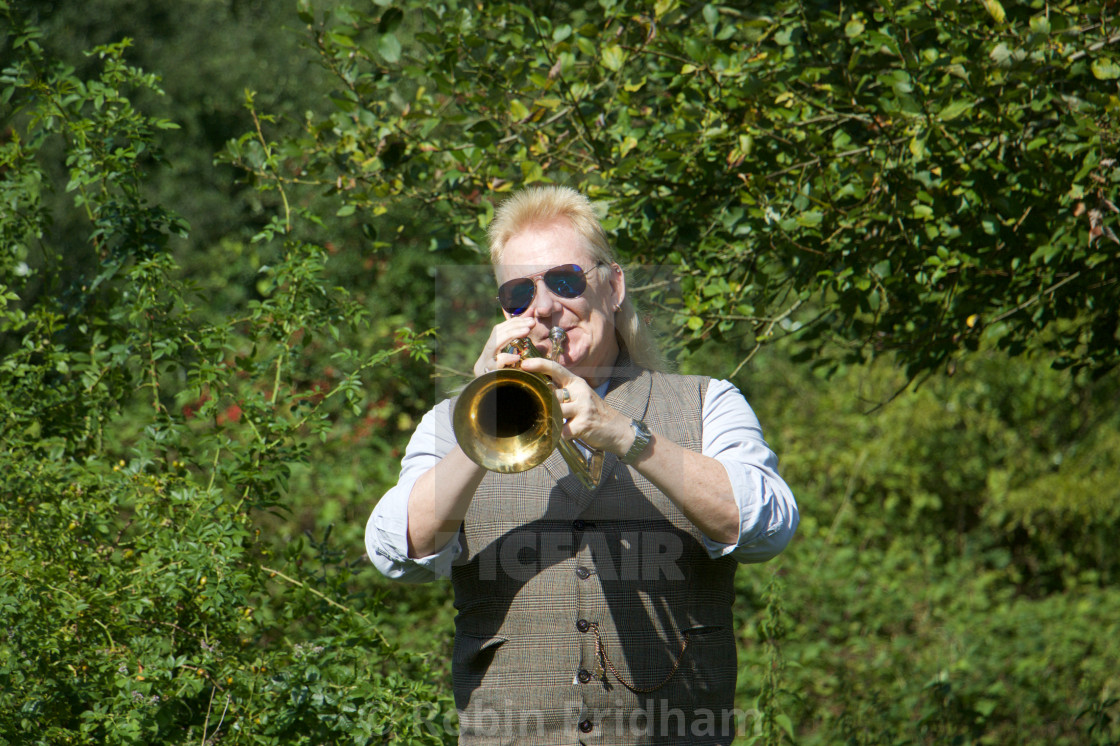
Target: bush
<point>950,581</point>
<point>145,443</point>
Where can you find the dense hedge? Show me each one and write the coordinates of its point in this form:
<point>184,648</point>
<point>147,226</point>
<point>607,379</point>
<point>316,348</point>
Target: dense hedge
<point>145,441</point>
<point>924,604</point>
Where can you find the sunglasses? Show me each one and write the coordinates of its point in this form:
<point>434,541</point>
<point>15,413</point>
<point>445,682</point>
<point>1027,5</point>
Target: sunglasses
<point>566,281</point>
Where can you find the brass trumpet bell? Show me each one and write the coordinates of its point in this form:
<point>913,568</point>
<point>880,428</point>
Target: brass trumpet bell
<point>507,420</point>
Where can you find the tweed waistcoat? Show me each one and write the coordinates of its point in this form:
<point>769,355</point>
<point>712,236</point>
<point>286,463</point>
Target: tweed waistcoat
<point>557,584</point>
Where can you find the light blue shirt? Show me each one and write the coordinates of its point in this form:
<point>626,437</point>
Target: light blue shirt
<point>731,434</point>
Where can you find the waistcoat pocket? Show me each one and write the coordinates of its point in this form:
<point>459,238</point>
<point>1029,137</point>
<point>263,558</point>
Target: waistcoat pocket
<point>470,661</point>
<point>475,651</point>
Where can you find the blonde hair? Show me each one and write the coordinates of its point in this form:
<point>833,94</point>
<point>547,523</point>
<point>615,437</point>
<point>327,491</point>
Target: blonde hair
<point>545,205</point>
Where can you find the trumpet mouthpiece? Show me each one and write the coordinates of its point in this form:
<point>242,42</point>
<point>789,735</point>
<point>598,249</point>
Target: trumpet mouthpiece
<point>557,337</point>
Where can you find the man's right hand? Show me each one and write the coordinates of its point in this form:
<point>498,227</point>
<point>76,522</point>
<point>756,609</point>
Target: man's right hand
<point>500,336</point>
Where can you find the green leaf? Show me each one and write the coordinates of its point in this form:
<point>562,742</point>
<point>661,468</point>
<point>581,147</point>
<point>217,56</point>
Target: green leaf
<point>918,147</point>
<point>711,15</point>
<point>613,57</point>
<point>518,111</point>
<point>631,87</point>
<point>341,39</point>
<point>995,10</point>
<point>389,47</point>
<point>531,172</point>
<point>783,721</point>
<point>810,218</point>
<point>1000,54</point>
<point>954,109</point>
<point>1105,69</point>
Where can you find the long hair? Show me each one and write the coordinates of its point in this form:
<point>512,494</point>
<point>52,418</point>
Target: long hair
<point>543,205</point>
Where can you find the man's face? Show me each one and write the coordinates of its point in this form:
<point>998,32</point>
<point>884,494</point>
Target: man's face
<point>589,319</point>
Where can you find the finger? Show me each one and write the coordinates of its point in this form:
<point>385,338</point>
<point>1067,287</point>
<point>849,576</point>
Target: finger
<point>500,337</point>
<point>560,375</point>
<point>503,337</point>
<point>512,329</point>
<point>505,360</point>
<point>569,412</point>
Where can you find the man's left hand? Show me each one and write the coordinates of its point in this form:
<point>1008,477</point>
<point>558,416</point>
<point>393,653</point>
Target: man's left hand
<point>587,417</point>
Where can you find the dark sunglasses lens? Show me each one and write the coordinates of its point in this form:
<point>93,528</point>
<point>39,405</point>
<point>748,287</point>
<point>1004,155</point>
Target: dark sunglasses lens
<point>516,296</point>
<point>567,281</point>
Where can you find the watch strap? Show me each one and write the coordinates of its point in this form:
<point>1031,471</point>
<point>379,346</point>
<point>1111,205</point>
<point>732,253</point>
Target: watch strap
<point>642,437</point>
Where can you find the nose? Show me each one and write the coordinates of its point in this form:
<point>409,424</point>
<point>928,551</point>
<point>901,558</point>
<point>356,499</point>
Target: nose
<point>544,302</point>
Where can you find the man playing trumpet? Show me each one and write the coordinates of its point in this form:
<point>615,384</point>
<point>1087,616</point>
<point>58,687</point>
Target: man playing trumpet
<point>589,613</point>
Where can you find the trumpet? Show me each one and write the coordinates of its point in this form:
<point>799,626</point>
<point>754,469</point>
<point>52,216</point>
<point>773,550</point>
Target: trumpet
<point>508,420</point>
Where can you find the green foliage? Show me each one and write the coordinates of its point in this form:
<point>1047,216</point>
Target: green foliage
<point>923,603</point>
<point>896,645</point>
<point>206,53</point>
<point>143,440</point>
<point>1009,463</point>
<point>904,177</point>
<point>771,725</point>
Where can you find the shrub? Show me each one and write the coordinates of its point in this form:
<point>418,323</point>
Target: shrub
<point>145,440</point>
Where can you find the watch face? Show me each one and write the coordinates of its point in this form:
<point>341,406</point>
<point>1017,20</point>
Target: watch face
<point>641,440</point>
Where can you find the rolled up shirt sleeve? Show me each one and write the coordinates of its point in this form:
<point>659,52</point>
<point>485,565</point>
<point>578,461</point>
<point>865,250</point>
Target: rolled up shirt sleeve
<point>387,528</point>
<point>768,514</point>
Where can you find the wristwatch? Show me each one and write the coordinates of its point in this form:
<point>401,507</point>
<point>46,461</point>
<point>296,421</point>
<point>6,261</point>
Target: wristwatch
<point>642,436</point>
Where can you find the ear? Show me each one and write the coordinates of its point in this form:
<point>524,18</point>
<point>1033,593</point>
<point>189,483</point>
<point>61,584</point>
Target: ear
<point>618,285</point>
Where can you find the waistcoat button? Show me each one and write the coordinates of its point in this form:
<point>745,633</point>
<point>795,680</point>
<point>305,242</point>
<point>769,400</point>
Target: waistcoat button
<point>583,573</point>
<point>583,625</point>
<point>585,725</point>
<point>584,676</point>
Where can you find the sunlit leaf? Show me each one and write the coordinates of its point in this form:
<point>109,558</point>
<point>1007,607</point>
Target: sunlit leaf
<point>1105,68</point>
<point>995,10</point>
<point>613,57</point>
